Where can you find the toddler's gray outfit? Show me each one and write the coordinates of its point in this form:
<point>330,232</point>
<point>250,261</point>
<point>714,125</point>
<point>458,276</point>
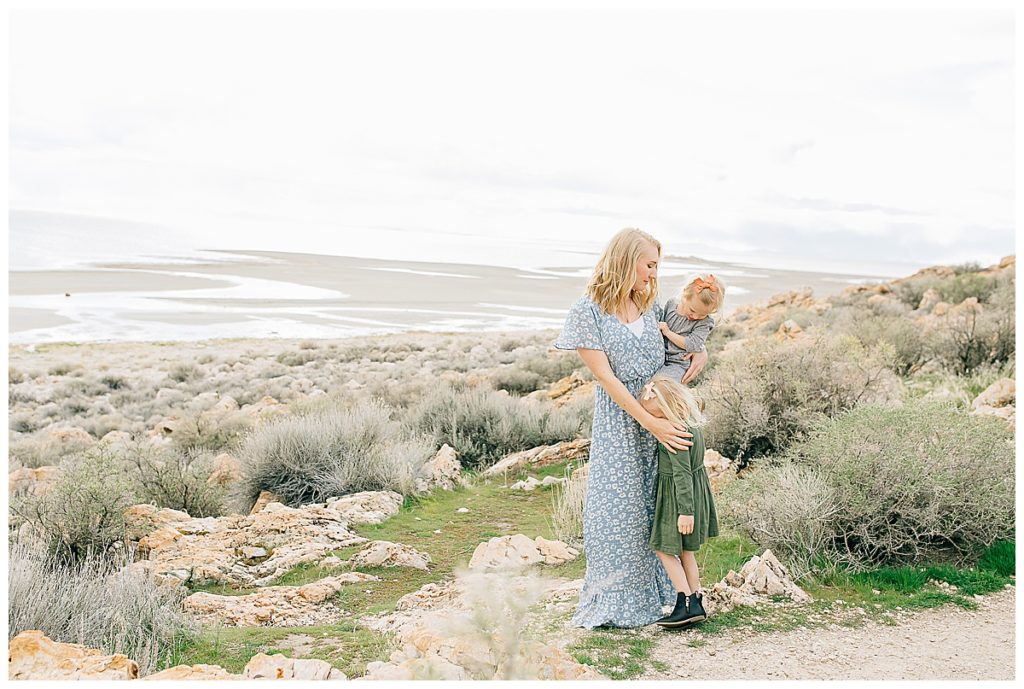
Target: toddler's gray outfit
<point>696,333</point>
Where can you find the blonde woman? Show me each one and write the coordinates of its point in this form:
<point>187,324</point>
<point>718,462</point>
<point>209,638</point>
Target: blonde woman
<point>614,328</point>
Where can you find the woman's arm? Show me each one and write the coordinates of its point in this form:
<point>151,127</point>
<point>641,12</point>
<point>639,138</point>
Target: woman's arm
<point>671,435</point>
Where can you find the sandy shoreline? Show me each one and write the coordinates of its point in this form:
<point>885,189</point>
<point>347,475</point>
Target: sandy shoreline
<point>315,296</point>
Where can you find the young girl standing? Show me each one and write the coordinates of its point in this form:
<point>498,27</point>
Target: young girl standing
<point>684,516</point>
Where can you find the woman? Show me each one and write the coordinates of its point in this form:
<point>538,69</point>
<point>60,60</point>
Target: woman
<point>614,327</point>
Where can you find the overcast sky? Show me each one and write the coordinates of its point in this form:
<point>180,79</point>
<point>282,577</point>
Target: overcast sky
<point>861,136</point>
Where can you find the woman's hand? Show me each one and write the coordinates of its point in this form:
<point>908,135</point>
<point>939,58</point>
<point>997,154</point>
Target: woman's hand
<point>685,524</point>
<point>672,435</point>
<point>698,360</point>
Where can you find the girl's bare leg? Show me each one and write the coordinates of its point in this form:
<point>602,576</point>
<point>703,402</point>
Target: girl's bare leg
<point>675,572</point>
<point>689,564</point>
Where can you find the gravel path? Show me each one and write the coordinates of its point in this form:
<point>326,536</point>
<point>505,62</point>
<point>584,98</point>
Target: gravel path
<point>947,643</point>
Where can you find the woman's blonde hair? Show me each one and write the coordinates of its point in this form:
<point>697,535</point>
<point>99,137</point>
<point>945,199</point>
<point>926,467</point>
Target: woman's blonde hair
<point>676,401</point>
<point>615,272</point>
<point>708,289</point>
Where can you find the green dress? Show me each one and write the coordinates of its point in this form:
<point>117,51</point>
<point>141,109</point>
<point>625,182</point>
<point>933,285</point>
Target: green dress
<point>683,489</point>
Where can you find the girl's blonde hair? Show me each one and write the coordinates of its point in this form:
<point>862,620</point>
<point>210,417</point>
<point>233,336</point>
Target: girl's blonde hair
<point>615,272</point>
<point>708,289</point>
<point>676,401</point>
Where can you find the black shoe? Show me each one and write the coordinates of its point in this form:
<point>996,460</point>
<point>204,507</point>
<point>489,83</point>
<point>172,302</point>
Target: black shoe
<point>699,605</point>
<point>686,612</point>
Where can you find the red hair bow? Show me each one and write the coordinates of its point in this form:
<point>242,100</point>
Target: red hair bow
<point>711,283</point>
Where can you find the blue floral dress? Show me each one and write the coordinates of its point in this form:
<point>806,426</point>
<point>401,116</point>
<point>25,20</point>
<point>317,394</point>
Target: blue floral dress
<point>626,585</point>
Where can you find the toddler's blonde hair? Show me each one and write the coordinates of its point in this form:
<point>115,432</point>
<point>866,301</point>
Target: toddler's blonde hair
<point>708,289</point>
<point>676,401</point>
<point>615,272</point>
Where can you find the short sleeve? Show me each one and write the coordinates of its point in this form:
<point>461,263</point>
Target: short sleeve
<point>582,327</point>
<point>696,339</point>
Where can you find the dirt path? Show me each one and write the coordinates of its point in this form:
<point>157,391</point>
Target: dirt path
<point>947,643</point>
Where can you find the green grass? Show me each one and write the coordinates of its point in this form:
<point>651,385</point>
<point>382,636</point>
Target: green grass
<point>1001,558</point>
<point>493,511</point>
<point>617,654</point>
<point>346,645</point>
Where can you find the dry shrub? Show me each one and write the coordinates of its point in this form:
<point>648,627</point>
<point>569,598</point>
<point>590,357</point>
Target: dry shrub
<point>569,502</point>
<point>96,603</point>
<point>175,479</point>
<point>331,452</point>
<point>884,486</point>
<point>484,425</point>
<point>767,394</point>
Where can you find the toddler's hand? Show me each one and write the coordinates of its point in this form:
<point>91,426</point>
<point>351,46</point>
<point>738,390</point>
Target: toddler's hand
<point>663,327</point>
<point>685,524</point>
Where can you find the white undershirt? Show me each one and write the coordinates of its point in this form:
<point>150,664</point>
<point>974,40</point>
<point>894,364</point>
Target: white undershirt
<point>637,326</point>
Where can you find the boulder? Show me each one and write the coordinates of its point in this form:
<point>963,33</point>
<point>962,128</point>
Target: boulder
<point>719,469</point>
<point>387,554</point>
<point>368,507</point>
<point>31,655</point>
<point>758,580</point>
<point>1001,393</point>
<point>226,470</point>
<point>237,550</point>
<point>527,484</point>
<point>519,551</point>
<point>27,481</point>
<point>265,498</point>
<point>190,672</point>
<point>117,438</point>
<point>572,450</point>
<point>278,606</point>
<point>929,299</point>
<point>68,435</point>
<point>444,471</point>
<point>278,666</point>
<point>788,330</point>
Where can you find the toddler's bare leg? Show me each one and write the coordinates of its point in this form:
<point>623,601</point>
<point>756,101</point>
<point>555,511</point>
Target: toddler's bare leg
<point>689,563</point>
<point>675,572</point>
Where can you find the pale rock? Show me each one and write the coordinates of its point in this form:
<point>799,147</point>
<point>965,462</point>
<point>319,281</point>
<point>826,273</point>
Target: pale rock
<point>278,666</point>
<point>758,580</point>
<point>34,482</point>
<point>33,656</point>
<point>462,510</point>
<point>193,672</point>
<point>444,471</point>
<point>225,405</point>
<point>940,309</point>
<point>117,438</point>
<point>506,551</point>
<point>553,480</point>
<point>387,554</point>
<point>280,606</point>
<point>433,668</point>
<point>265,498</point>
<point>998,394</point>
<point>929,299</point>
<point>331,561</point>
<point>368,507</point>
<point>572,450</point>
<point>68,435</point>
<point>527,484</point>
<point>555,552</point>
<point>213,549</point>
<point>788,330</point>
<point>266,408</point>
<point>226,470</point>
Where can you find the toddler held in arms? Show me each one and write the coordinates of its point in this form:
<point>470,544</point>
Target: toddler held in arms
<point>684,510</point>
<point>688,323</point>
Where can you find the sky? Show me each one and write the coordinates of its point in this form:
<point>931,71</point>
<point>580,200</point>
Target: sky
<point>839,138</point>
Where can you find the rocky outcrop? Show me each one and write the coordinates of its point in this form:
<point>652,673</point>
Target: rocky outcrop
<point>757,581</point>
<point>572,450</point>
<point>569,389</point>
<point>750,319</point>
<point>387,554</point>
<point>190,672</point>
<point>237,550</point>
<point>226,470</point>
<point>997,400</point>
<point>444,471</point>
<point>369,507</point>
<point>262,500</point>
<point>33,482</point>
<point>789,330</point>
<point>520,551</point>
<point>278,606</point>
<point>278,666</point>
<point>32,655</point>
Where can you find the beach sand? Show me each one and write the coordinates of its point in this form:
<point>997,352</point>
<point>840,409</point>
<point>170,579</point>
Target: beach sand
<point>353,296</point>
